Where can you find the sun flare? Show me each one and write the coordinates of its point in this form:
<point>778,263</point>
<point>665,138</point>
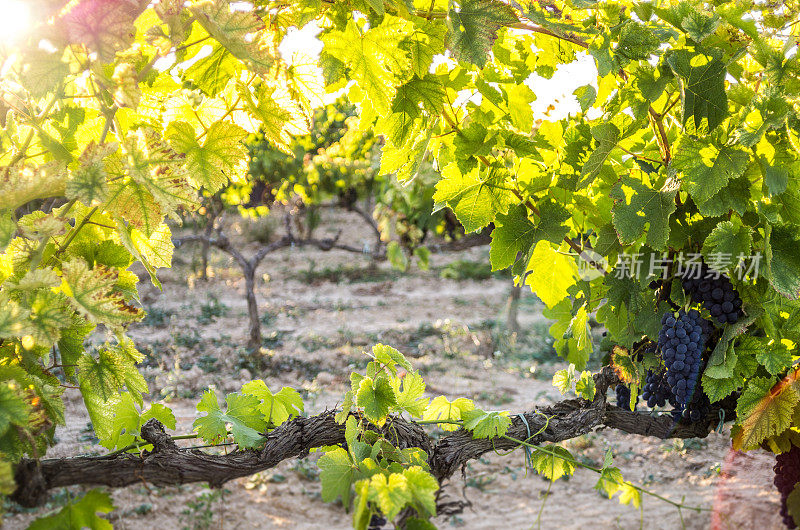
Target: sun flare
<point>15,20</point>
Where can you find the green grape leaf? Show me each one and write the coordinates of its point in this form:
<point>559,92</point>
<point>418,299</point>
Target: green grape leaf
<point>774,357</point>
<point>277,118</point>
<point>221,154</point>
<point>336,475</point>
<point>706,167</point>
<point>278,407</point>
<point>373,57</point>
<point>519,98</point>
<point>485,424</point>
<point>241,32</point>
<point>586,95</point>
<point>127,421</point>
<point>22,184</point>
<point>585,386</point>
<point>13,409</point>
<point>423,487</point>
<point>702,76</point>
<point>13,318</point>
<point>606,135</point>
<point>729,238</point>
<point>92,294</point>
<point>610,481</point>
<point>637,42</point>
<point>473,25</point>
<point>212,73</point>
<point>553,462</point>
<point>88,183</point>
<point>515,233</point>
<point>376,397</point>
<point>390,358</point>
<point>763,410</point>
<point>242,413</point>
<point>476,199</point>
<point>551,273</point>
<point>133,202</point>
<point>392,493</point>
<point>783,262</point>
<point>637,205</point>
<point>49,314</point>
<point>409,396</point>
<point>423,43</point>
<point>80,514</point>
<point>440,408</point>
<point>113,369</point>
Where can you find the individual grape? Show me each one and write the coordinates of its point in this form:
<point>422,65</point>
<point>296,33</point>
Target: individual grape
<point>787,475</point>
<point>682,342</point>
<point>716,294</point>
<point>624,397</point>
<point>377,522</point>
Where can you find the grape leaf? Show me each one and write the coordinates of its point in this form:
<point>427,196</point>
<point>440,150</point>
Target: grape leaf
<point>241,412</point>
<point>764,409</point>
<point>212,73</point>
<point>409,396</point>
<point>103,26</point>
<point>278,407</point>
<point>476,199</point>
<point>783,262</point>
<point>702,77</point>
<point>644,207</point>
<point>606,136</point>
<point>92,294</point>
<point>423,487</point>
<point>77,515</point>
<point>707,168</point>
<point>553,462</point>
<point>392,493</point>
<point>485,424</point>
<point>375,396</point>
<point>729,238</point>
<point>220,156</point>
<point>336,475</point>
<point>374,58</point>
<point>440,408</point>
<point>13,409</point>
<point>241,32</point>
<point>514,232</point>
<point>473,25</point>
<point>551,273</point>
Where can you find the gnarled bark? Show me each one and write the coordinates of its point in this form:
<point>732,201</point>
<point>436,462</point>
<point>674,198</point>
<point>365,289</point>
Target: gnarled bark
<point>167,464</point>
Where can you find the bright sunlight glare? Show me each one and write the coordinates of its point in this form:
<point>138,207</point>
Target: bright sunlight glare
<point>15,19</point>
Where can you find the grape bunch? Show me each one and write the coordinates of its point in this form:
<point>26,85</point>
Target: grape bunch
<point>624,397</point>
<point>716,294</point>
<point>696,409</point>
<point>787,475</point>
<point>377,522</point>
<point>656,391</point>
<point>682,341</point>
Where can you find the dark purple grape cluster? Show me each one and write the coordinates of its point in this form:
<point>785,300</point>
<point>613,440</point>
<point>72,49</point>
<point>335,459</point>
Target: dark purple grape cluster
<point>656,391</point>
<point>697,409</point>
<point>377,522</point>
<point>682,340</point>
<point>624,397</point>
<point>716,294</point>
<point>787,475</point>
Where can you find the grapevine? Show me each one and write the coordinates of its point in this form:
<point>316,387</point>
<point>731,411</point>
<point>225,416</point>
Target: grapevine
<point>118,116</point>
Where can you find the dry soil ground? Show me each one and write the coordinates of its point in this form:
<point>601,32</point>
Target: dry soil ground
<point>320,311</point>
